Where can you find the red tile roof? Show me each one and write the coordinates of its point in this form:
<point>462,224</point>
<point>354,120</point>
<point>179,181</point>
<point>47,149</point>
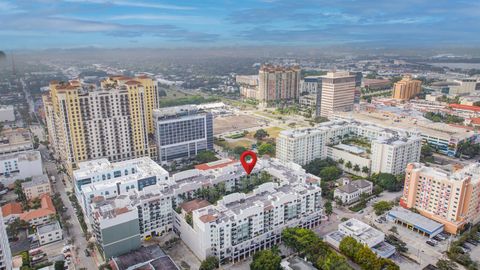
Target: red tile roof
<point>46,209</point>
<point>465,107</point>
<point>12,208</point>
<point>194,205</point>
<point>214,165</point>
<point>207,218</point>
<point>475,121</point>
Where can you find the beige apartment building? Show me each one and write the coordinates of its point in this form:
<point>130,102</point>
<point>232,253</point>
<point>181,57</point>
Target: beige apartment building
<point>277,83</point>
<point>451,198</point>
<point>406,88</point>
<point>38,186</point>
<point>111,121</point>
<point>338,93</point>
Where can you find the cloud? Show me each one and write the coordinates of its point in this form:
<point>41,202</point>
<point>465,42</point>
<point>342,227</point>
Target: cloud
<point>156,17</point>
<point>70,25</point>
<point>139,4</point>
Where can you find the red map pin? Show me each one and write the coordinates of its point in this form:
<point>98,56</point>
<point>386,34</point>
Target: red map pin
<point>248,166</point>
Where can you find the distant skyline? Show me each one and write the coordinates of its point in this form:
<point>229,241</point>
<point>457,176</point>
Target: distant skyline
<point>46,24</point>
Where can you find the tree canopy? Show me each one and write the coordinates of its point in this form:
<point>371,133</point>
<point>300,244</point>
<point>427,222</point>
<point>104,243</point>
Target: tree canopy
<point>210,263</point>
<point>266,260</point>
<point>261,134</point>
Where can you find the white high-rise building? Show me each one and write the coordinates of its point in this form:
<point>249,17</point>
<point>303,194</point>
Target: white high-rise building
<point>5,253</point>
<point>338,93</point>
<point>393,154</point>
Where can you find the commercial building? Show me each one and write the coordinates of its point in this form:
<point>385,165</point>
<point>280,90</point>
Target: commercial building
<point>364,234</point>
<point>248,85</point>
<point>241,224</point>
<point>150,257</point>
<point>112,121</point>
<point>415,222</point>
<point>38,186</point>
<point>351,191</point>
<point>379,149</point>
<point>102,178</point>
<point>445,138</point>
<point>115,226</point>
<point>406,88</point>
<point>450,198</point>
<point>20,165</point>
<point>182,132</point>
<point>463,86</point>
<point>338,93</point>
<point>309,100</point>
<point>7,113</point>
<point>15,140</point>
<point>49,233</point>
<point>311,85</point>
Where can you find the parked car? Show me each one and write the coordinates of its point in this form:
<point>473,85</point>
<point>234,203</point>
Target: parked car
<point>431,243</point>
<point>87,253</point>
<point>472,242</point>
<point>466,248</point>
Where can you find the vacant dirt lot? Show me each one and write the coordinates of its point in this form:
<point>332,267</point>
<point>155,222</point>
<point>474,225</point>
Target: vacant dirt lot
<point>234,123</point>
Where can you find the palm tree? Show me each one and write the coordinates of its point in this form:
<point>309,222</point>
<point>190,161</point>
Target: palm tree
<point>341,161</point>
<point>365,169</point>
<point>348,165</point>
<point>356,168</point>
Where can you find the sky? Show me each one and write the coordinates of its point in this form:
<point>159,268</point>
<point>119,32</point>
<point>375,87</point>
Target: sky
<point>43,24</point>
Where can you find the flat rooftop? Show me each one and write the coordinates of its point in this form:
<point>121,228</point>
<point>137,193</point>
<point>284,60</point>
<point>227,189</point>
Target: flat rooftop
<point>418,221</point>
<point>50,227</point>
<point>14,140</point>
<point>36,180</point>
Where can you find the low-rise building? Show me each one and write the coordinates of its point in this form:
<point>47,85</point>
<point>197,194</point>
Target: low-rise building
<point>7,113</point>
<point>415,222</point>
<point>38,186</point>
<point>309,101</point>
<point>41,215</point>
<point>364,234</point>
<point>351,191</point>
<point>49,233</point>
<point>11,211</point>
<point>19,166</point>
<point>150,257</point>
<point>15,140</point>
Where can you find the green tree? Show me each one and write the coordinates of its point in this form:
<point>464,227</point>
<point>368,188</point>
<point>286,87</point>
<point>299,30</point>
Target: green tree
<point>328,208</point>
<point>381,207</point>
<point>316,165</point>
<point>348,165</point>
<point>205,157</point>
<point>330,173</point>
<point>266,260</point>
<point>59,265</point>
<point>349,246</point>
<point>388,181</point>
<point>210,263</point>
<point>365,169</point>
<point>266,149</point>
<point>356,168</point>
<point>261,134</point>
<point>238,150</point>
<point>340,161</point>
<point>444,264</point>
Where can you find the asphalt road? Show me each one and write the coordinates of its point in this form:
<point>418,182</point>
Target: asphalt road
<point>75,232</point>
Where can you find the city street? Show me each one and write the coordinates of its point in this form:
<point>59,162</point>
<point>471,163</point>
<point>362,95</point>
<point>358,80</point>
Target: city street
<point>76,234</point>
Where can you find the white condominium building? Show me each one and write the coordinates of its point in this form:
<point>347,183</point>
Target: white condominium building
<point>338,93</point>
<point>102,178</point>
<point>5,253</point>
<point>389,150</point>
<point>241,224</point>
<point>20,165</point>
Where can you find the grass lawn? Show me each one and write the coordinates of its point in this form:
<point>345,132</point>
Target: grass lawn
<point>173,94</point>
<point>243,142</point>
<point>273,131</point>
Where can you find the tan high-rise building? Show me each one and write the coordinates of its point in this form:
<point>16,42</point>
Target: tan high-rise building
<point>406,88</point>
<point>451,198</point>
<point>111,121</point>
<point>338,93</point>
<point>278,84</point>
